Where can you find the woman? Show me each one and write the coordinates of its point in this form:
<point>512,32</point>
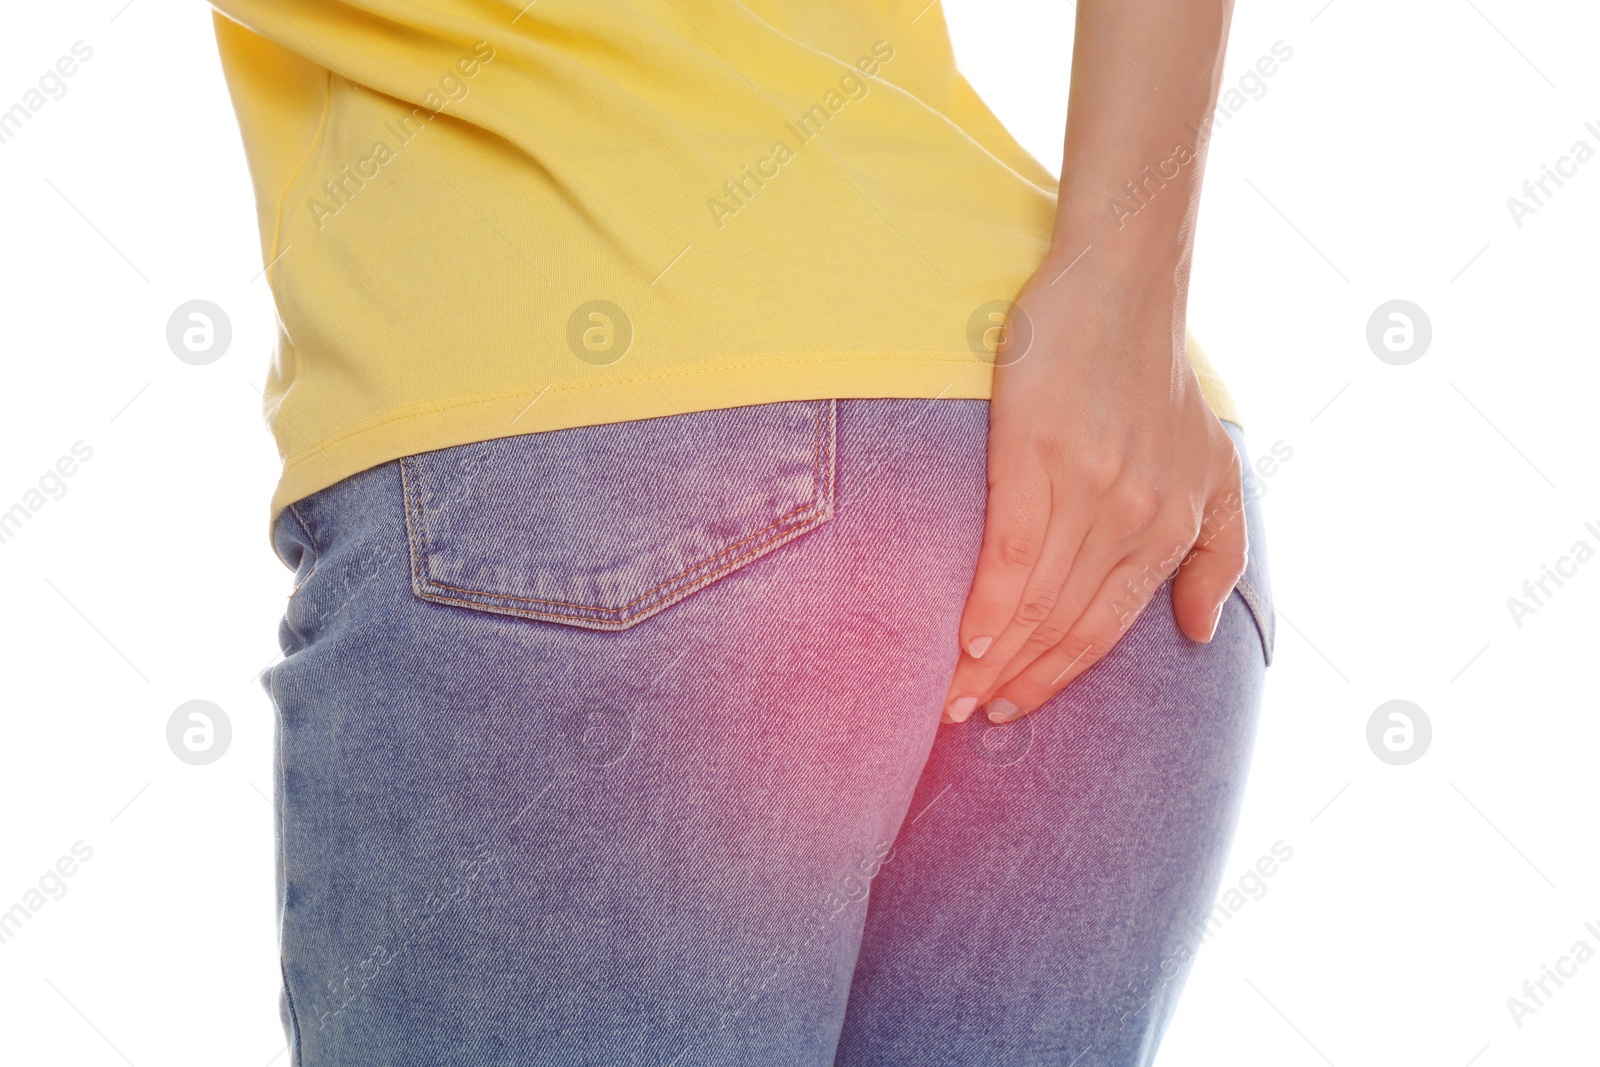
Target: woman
<point>717,459</point>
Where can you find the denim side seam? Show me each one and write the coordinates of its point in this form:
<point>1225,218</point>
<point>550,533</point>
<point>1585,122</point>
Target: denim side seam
<point>294,1015</point>
<point>280,833</point>
<point>316,553</point>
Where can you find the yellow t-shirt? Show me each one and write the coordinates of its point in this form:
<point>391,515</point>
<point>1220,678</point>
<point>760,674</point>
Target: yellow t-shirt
<point>483,221</point>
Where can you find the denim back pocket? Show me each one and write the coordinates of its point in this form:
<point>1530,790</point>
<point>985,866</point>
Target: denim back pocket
<point>603,526</point>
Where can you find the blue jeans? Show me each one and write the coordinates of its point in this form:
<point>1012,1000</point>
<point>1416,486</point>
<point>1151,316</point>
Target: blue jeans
<point>621,745</point>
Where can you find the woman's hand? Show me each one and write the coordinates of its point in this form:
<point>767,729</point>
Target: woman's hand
<point>1107,471</point>
<point>1107,474</point>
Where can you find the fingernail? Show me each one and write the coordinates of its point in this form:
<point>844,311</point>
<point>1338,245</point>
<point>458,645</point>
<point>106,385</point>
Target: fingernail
<point>961,708</point>
<point>1001,710</point>
<point>979,646</point>
<point>1216,617</point>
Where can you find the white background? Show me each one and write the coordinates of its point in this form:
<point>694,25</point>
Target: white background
<point>1376,165</point>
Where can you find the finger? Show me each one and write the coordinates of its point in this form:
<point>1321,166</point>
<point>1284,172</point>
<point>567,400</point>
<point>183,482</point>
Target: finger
<point>1125,518</point>
<point>1213,568</point>
<point>1110,613</point>
<point>1016,521</point>
<point>1101,551</point>
<point>975,677</point>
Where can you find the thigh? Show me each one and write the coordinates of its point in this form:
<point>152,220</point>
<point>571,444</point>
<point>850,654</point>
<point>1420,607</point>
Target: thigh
<point>591,742</point>
<point>1053,879</point>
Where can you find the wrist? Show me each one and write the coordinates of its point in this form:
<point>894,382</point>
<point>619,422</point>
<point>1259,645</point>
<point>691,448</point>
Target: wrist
<point>1126,235</point>
<point>1123,282</point>
<point>1154,247</point>
<point>1135,311</point>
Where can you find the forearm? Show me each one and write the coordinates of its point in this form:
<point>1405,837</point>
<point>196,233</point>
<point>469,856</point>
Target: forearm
<point>1145,78</point>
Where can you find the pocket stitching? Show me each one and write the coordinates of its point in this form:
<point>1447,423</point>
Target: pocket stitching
<point>797,514</point>
<point>800,519</point>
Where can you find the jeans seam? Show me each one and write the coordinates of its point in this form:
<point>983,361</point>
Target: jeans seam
<point>316,553</point>
<point>283,864</point>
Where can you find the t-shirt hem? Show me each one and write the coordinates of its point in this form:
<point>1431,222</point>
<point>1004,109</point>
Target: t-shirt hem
<point>567,404</point>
